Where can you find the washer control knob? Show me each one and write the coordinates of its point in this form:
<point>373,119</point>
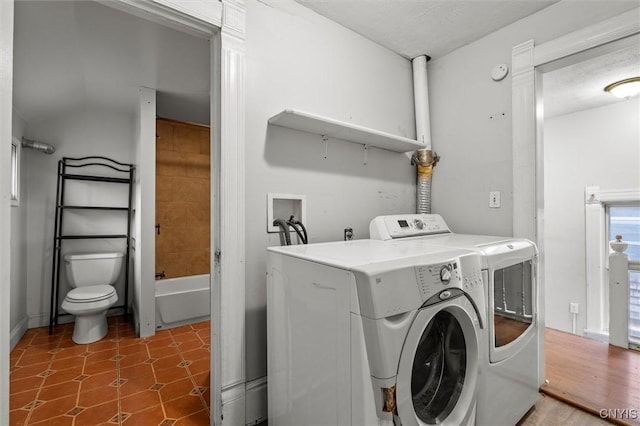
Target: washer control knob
<point>419,223</point>
<point>445,274</point>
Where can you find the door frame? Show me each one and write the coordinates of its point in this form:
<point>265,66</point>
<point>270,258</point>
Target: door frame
<point>222,22</point>
<point>6,115</point>
<point>527,62</point>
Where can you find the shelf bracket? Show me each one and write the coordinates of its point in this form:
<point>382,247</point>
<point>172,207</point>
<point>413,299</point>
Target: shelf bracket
<point>366,154</point>
<point>325,145</point>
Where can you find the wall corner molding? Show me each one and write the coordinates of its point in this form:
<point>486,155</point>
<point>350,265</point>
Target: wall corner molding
<point>524,141</point>
<point>17,332</point>
<point>233,18</point>
<point>231,297</point>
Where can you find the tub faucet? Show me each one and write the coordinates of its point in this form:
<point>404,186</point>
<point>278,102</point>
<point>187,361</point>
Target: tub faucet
<point>160,275</point>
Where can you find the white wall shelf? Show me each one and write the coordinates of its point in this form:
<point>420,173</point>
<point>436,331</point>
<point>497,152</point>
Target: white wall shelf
<point>330,128</point>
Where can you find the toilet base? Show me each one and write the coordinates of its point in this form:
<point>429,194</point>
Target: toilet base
<point>91,317</point>
<point>90,328</point>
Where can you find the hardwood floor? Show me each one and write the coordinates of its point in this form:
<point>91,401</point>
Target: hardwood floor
<point>549,411</point>
<point>593,375</point>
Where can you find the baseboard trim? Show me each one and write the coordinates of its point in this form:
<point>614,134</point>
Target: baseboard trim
<point>38,320</point>
<point>245,403</point>
<point>256,394</point>
<point>233,404</point>
<point>597,335</point>
<point>17,332</point>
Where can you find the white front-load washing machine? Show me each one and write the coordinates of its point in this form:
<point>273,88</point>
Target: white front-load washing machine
<point>373,333</point>
<point>512,362</point>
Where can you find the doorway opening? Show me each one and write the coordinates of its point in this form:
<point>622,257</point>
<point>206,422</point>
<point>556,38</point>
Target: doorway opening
<point>530,209</point>
<point>77,69</point>
<point>597,134</point>
<point>183,223</point>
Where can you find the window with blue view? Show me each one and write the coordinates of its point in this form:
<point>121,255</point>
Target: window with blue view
<point>625,221</point>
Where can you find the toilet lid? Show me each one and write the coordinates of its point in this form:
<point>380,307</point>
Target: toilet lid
<point>92,293</point>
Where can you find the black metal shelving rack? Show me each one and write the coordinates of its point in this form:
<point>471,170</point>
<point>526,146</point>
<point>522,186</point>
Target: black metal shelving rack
<point>118,173</point>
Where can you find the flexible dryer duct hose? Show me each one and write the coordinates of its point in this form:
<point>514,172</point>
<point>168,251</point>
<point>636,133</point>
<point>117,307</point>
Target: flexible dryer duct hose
<point>425,161</point>
<point>38,146</point>
<point>423,158</point>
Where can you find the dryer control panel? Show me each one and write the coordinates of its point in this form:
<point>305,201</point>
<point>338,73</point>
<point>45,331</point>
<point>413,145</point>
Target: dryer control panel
<point>407,225</point>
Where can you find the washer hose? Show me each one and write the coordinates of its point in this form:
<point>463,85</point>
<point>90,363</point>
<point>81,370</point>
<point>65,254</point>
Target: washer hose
<point>294,224</point>
<point>284,228</point>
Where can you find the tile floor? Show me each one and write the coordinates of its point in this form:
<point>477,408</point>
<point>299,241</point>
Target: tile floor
<point>119,380</point>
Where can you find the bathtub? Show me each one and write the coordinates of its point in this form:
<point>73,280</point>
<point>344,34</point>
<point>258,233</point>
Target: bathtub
<point>183,300</point>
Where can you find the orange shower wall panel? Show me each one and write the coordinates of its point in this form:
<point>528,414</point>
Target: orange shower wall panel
<point>182,198</point>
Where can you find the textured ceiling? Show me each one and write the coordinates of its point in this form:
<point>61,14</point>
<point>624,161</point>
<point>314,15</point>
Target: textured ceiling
<point>580,85</point>
<point>418,27</point>
<point>438,27</point>
<point>69,54</point>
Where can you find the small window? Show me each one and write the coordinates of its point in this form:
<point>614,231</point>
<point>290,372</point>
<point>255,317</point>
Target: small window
<point>625,220</point>
<point>15,172</point>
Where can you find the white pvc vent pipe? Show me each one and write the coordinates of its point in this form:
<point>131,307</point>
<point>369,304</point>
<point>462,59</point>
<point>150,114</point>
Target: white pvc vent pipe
<point>421,100</point>
<point>423,158</point>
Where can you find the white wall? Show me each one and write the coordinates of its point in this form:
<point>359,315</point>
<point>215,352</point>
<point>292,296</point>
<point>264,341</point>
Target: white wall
<point>18,316</point>
<point>297,59</point>
<point>596,147</point>
<point>90,131</point>
<point>475,148</point>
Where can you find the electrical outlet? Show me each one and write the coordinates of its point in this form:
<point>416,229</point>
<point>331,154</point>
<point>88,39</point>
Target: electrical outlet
<point>494,199</point>
<point>573,308</point>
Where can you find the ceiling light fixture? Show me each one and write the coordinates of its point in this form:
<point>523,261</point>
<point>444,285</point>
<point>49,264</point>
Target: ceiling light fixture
<point>624,88</point>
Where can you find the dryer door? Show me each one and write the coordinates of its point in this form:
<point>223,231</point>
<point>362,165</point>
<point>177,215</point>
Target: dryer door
<point>437,374</point>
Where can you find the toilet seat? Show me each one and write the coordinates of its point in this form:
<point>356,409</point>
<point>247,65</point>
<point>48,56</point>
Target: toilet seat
<point>89,294</point>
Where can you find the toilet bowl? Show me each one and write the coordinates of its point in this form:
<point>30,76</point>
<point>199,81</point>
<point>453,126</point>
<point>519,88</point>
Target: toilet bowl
<point>91,277</point>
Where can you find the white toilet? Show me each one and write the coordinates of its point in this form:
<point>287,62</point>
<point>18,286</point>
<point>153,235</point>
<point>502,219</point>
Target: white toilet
<point>92,277</point>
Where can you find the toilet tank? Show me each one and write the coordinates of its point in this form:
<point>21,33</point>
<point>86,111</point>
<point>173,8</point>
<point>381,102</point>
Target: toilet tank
<point>89,269</point>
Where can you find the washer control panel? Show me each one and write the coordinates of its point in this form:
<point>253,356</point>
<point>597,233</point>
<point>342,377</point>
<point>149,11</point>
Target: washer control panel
<point>432,279</point>
<point>445,273</point>
<point>439,278</point>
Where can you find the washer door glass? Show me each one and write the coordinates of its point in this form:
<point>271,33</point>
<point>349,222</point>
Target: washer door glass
<point>439,368</point>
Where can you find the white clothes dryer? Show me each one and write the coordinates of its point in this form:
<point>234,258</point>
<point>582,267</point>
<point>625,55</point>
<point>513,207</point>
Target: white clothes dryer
<point>512,362</point>
<point>373,333</point>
